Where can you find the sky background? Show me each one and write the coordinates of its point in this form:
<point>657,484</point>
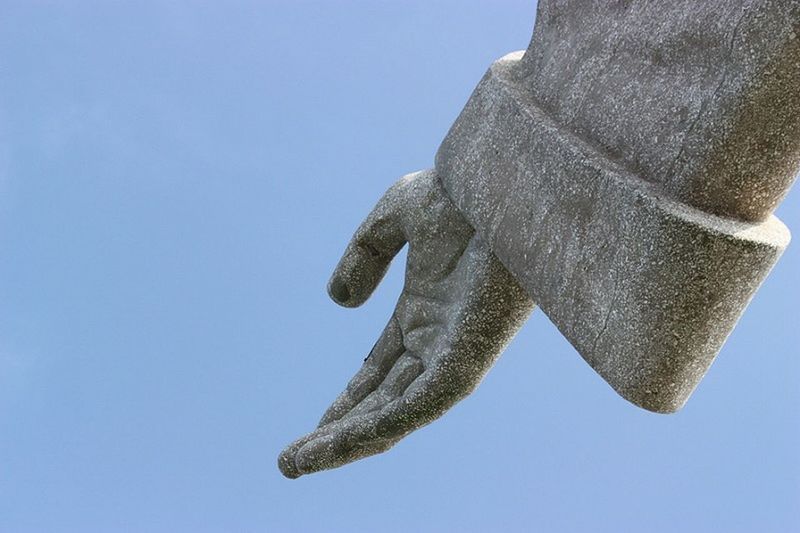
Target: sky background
<point>178,179</point>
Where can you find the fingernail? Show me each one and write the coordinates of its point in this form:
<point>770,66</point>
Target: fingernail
<point>339,291</point>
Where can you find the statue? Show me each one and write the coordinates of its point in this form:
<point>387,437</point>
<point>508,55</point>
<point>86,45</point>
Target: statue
<point>622,173</point>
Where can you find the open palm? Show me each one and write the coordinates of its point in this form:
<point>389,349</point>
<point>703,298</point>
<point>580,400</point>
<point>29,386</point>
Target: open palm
<point>458,309</point>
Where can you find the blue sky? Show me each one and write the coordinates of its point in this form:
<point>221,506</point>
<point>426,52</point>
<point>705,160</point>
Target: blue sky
<point>178,179</point>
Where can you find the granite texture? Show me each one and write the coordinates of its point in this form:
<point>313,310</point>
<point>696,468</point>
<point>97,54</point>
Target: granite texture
<point>646,288</point>
<point>697,96</point>
<point>458,310</point>
<point>622,173</point>
<point>625,168</point>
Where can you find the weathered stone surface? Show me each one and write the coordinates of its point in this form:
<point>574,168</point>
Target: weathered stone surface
<point>624,169</point>
<point>699,97</point>
<point>458,310</point>
<point>621,173</point>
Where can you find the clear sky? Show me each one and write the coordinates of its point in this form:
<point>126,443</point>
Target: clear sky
<point>178,179</point>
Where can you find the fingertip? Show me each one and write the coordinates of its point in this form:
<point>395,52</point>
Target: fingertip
<point>339,291</point>
<point>287,465</point>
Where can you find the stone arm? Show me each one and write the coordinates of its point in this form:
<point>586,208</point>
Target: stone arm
<point>457,311</point>
<point>624,169</point>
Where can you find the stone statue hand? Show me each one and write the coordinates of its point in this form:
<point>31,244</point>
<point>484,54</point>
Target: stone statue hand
<point>458,310</point>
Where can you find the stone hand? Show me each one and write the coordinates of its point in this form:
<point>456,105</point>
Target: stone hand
<point>458,310</point>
